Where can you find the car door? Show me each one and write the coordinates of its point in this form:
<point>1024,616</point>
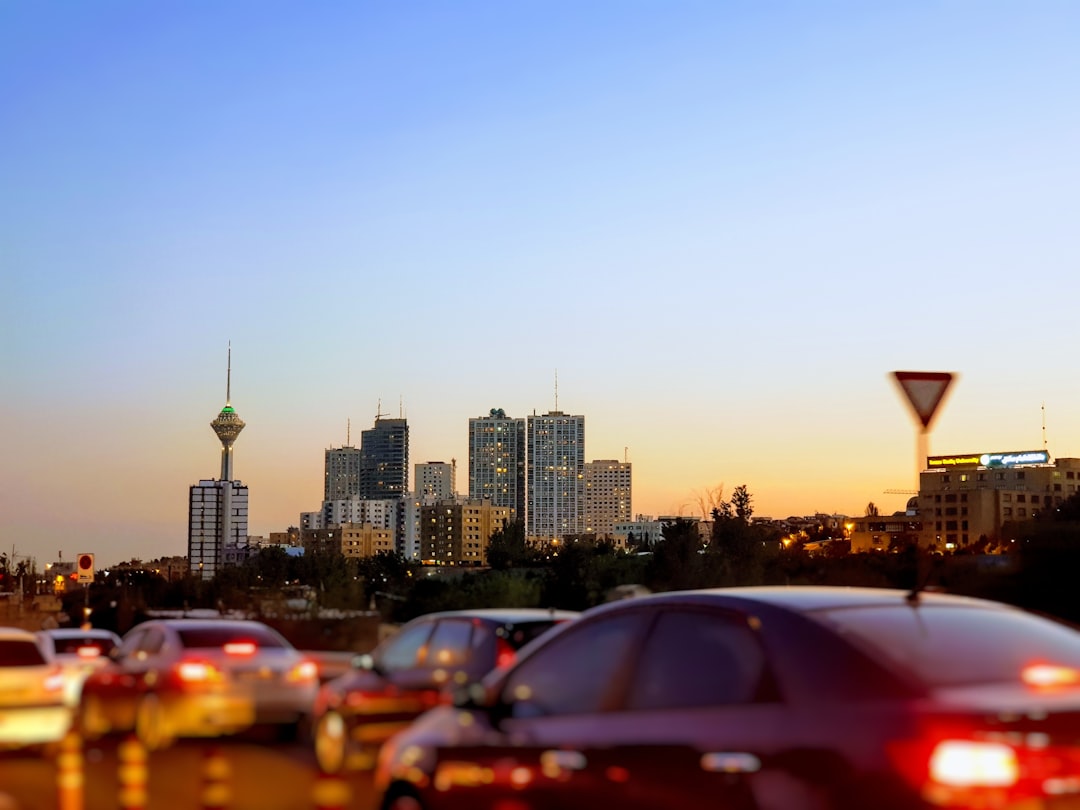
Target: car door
<point>700,718</point>
<point>543,750</point>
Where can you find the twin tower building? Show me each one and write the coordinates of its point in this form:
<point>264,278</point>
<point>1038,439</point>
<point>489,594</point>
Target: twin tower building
<point>532,468</point>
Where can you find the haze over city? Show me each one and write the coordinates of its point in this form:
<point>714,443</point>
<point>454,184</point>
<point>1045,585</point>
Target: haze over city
<point>722,225</point>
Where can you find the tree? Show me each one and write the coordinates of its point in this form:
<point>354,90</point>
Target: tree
<point>740,502</point>
<point>709,499</point>
<point>871,509</point>
<point>508,548</point>
<point>676,563</point>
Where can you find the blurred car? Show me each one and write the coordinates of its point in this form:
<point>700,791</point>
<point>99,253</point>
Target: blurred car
<point>199,678</point>
<point>79,652</point>
<point>763,699</point>
<point>32,707</point>
<point>413,671</point>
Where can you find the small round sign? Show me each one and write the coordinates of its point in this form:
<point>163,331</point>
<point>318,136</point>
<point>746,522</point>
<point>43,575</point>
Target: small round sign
<point>86,561</point>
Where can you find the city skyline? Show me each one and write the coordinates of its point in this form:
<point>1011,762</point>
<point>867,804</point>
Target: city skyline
<point>723,225</point>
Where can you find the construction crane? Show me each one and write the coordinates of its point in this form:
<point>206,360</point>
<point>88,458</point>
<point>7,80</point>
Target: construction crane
<point>901,492</point>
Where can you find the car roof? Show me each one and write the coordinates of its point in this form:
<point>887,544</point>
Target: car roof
<point>74,632</point>
<point>16,633</point>
<point>804,598</point>
<point>506,615</point>
<point>201,624</point>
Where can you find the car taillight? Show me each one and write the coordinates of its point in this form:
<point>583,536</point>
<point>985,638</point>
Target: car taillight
<point>989,769</point>
<point>193,672</point>
<point>54,681</point>
<point>240,648</point>
<point>504,653</point>
<point>966,763</point>
<point>303,672</point>
<point>89,651</point>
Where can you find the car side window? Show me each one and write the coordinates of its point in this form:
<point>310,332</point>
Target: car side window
<point>132,641</point>
<point>576,673</point>
<point>403,650</point>
<point>152,641</point>
<point>695,659</point>
<point>449,644</point>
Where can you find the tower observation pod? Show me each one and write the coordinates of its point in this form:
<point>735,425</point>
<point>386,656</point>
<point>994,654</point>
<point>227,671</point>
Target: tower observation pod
<point>227,426</point>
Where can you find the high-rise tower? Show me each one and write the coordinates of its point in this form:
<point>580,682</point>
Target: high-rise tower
<point>384,459</point>
<point>497,460</point>
<point>228,425</point>
<point>218,509</point>
<point>556,475</point>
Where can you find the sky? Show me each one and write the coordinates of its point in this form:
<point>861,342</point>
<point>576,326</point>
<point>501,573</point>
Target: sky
<point>720,226</point>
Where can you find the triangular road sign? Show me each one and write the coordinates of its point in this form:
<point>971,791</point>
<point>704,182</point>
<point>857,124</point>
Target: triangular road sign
<point>924,390</point>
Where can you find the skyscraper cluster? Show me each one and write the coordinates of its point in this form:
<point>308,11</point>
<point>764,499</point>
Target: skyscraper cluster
<point>527,468</point>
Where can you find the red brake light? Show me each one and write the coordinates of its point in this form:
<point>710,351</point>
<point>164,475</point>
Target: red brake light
<point>240,648</point>
<point>504,653</point>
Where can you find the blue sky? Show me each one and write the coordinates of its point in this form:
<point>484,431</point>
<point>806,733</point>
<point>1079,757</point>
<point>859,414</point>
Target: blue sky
<point>723,224</point>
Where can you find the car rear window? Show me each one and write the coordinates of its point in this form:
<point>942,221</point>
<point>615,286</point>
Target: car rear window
<point>518,635</point>
<point>19,653</point>
<point>71,646</point>
<point>953,645</point>
<point>211,637</point>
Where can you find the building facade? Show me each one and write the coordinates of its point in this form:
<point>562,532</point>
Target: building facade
<point>457,532</point>
<point>555,476</point>
<point>963,499</point>
<point>607,496</point>
<point>497,460</point>
<point>342,473</point>
<point>384,460</point>
<point>435,481</point>
<point>217,525</point>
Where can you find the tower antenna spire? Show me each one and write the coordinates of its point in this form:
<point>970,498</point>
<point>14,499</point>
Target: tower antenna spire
<point>228,377</point>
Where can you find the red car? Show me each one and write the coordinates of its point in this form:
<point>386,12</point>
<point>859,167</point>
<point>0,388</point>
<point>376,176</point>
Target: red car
<point>763,699</point>
<point>413,671</point>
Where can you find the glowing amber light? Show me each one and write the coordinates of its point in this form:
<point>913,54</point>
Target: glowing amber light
<point>1047,675</point>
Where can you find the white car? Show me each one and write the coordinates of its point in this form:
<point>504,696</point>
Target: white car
<point>33,711</point>
<point>79,652</point>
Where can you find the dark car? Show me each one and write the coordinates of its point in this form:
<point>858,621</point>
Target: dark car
<point>199,678</point>
<point>763,699</point>
<point>413,671</point>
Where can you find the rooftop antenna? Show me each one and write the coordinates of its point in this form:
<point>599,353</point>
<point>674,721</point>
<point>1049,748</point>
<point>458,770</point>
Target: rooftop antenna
<point>556,390</point>
<point>626,455</point>
<point>1044,424</point>
<point>348,432</point>
<point>401,407</point>
<point>378,412</point>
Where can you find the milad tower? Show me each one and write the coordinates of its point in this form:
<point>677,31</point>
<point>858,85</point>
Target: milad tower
<point>218,509</point>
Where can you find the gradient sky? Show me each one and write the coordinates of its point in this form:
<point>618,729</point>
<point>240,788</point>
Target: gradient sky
<point>723,224</point>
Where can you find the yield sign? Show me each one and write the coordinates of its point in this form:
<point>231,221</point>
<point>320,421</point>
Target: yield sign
<point>924,390</point>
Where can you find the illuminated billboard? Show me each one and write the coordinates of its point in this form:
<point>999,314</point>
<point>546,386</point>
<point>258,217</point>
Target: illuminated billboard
<point>1016,459</point>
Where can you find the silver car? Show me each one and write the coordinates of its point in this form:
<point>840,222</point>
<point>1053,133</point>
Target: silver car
<point>79,652</point>
<point>199,678</point>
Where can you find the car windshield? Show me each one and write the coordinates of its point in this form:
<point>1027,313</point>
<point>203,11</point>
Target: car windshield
<point>20,653</point>
<point>957,645</point>
<point>211,637</point>
<point>73,645</point>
